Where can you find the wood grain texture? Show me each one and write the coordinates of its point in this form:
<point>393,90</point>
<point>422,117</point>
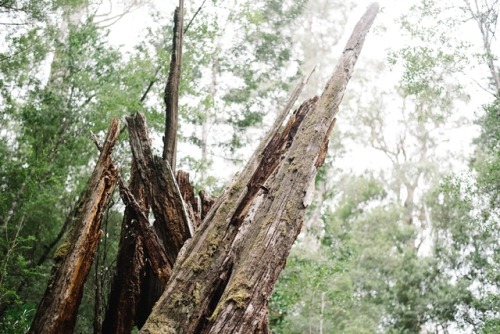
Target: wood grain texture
<point>57,310</point>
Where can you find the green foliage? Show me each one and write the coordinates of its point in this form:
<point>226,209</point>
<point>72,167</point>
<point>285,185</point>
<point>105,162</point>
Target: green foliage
<point>431,58</point>
<point>234,74</point>
<point>17,320</point>
<point>488,154</point>
<point>336,287</point>
<point>15,268</point>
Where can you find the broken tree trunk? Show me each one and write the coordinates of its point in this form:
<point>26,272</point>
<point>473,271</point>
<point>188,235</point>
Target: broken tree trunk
<point>125,292</point>
<point>172,90</point>
<point>174,218</point>
<point>172,226</point>
<point>223,280</point>
<point>57,310</point>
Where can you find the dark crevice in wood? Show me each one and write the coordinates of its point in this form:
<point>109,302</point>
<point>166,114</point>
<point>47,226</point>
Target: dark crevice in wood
<point>155,252</point>
<point>324,148</point>
<point>206,203</point>
<point>218,289</point>
<point>271,158</point>
<point>120,316</point>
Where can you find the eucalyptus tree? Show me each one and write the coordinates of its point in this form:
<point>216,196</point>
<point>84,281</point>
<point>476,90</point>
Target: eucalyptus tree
<point>465,214</point>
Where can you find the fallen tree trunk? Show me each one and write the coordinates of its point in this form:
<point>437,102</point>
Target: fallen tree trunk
<point>223,281</point>
<point>57,311</point>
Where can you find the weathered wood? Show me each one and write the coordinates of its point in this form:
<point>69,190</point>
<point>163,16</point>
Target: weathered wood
<point>193,204</point>
<point>272,156</point>
<point>172,222</point>
<point>157,268</point>
<point>172,90</point>
<point>57,310</point>
<point>172,226</point>
<point>123,299</point>
<point>155,253</point>
<point>223,281</point>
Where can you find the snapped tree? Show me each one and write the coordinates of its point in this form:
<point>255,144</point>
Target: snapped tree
<point>214,263</point>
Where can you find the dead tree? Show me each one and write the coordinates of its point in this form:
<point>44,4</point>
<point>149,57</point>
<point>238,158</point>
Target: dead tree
<point>57,311</point>
<point>223,280</point>
<point>215,264</point>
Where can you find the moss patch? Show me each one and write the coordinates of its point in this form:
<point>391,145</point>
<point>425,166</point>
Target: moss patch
<point>62,251</point>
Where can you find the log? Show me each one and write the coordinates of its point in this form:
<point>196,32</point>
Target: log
<point>57,310</point>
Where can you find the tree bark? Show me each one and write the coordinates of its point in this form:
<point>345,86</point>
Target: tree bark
<point>172,224</point>
<point>223,281</point>
<point>57,311</point>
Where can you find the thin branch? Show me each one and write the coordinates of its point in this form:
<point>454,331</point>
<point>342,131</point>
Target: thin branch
<point>151,83</point>
<point>194,16</point>
<point>158,69</point>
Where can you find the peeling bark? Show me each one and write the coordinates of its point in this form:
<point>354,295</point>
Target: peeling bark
<point>57,310</point>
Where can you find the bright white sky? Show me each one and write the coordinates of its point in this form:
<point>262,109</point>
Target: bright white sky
<point>127,31</point>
